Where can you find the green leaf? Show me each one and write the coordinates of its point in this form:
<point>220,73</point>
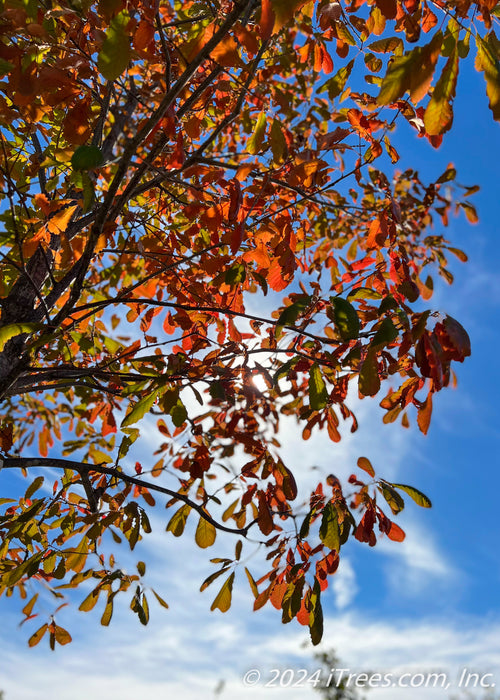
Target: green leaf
<point>159,599</point>
<point>290,314</point>
<point>205,534</point>
<point>449,174</point>
<point>5,67</point>
<point>318,395</point>
<point>329,532</point>
<point>419,497</point>
<point>223,598</point>
<point>172,404</point>
<point>13,329</point>
<point>143,611</point>
<point>316,615</point>
<point>87,158</point>
<point>277,141</point>
<point>179,414</point>
<point>285,368</point>
<point>255,141</point>
<point>141,568</point>
<point>392,45</point>
<point>392,497</point>
<point>345,318</point>
<point>369,381</point>
<point>344,34</point>
<point>412,72</point>
<point>335,85</point>
<point>37,483</point>
<point>385,335</point>
<point>306,524</point>
<point>145,524</point>
<point>177,522</point>
<point>88,202</point>
<point>114,56</point>
<point>235,275</point>
<point>140,409</point>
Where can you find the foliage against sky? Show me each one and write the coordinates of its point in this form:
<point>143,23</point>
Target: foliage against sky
<point>159,163</point>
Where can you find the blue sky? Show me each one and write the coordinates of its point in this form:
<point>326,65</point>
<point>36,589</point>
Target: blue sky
<point>429,603</point>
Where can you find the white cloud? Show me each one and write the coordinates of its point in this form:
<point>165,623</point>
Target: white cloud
<point>344,584</point>
<point>188,653</point>
<point>417,563</point>
<point>187,650</point>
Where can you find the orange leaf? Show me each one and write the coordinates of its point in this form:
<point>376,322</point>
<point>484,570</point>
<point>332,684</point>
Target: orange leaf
<point>267,19</point>
<point>327,62</point>
<point>276,277</point>
<point>76,125</point>
<point>144,35</point>
<point>396,533</point>
<point>365,464</point>
<point>59,221</point>
<point>226,53</point>
<point>42,203</point>
<point>424,414</point>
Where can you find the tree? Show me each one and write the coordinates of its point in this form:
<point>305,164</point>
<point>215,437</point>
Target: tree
<point>160,162</point>
<point>337,686</point>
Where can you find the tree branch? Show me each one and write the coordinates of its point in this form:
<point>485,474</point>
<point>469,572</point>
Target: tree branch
<point>85,469</point>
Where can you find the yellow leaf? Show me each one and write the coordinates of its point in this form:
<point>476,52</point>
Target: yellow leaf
<point>177,522</point>
<point>412,72</point>
<point>438,115</point>
<point>255,141</point>
<point>487,62</point>
<point>62,636</point>
<point>205,534</point>
<point>108,612</point>
<point>223,598</point>
<point>89,601</point>
<point>35,638</point>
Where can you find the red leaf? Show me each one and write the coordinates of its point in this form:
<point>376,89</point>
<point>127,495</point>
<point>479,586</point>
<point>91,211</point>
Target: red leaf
<point>267,19</point>
<point>388,8</point>
<point>265,520</point>
<point>453,339</point>
<point>237,237</point>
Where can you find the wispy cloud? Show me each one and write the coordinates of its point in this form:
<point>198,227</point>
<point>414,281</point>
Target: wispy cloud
<point>189,653</point>
<point>344,585</point>
<point>418,563</point>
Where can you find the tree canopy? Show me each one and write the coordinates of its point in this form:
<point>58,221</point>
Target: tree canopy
<point>164,166</point>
